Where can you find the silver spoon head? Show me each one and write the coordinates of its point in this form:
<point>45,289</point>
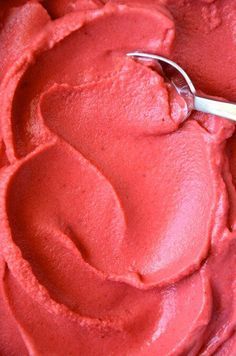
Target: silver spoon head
<point>174,74</point>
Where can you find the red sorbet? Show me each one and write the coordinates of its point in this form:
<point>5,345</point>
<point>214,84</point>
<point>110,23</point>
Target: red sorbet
<point>118,216</point>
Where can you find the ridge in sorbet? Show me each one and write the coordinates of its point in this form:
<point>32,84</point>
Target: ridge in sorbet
<point>117,215</point>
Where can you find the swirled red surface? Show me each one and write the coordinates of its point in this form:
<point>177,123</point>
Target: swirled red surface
<point>118,218</point>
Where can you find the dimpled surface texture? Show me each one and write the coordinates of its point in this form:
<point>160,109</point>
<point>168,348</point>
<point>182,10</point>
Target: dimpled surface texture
<point>118,216</point>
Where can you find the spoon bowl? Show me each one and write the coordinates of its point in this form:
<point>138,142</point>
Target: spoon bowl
<point>184,86</point>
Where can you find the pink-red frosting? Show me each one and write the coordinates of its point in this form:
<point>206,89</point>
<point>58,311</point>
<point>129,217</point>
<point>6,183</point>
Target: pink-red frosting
<point>118,216</point>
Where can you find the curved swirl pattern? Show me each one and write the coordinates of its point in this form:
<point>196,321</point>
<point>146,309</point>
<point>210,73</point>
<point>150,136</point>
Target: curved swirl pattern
<point>117,219</point>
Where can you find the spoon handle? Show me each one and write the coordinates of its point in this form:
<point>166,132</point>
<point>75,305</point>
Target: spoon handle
<point>215,107</point>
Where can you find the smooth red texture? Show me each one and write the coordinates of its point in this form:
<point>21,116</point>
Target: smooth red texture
<point>205,43</point>
<point>117,218</point>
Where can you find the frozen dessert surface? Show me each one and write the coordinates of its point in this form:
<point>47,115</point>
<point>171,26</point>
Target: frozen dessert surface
<point>117,216</point>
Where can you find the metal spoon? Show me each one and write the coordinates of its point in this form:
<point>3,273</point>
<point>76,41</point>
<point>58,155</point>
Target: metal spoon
<point>184,86</point>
